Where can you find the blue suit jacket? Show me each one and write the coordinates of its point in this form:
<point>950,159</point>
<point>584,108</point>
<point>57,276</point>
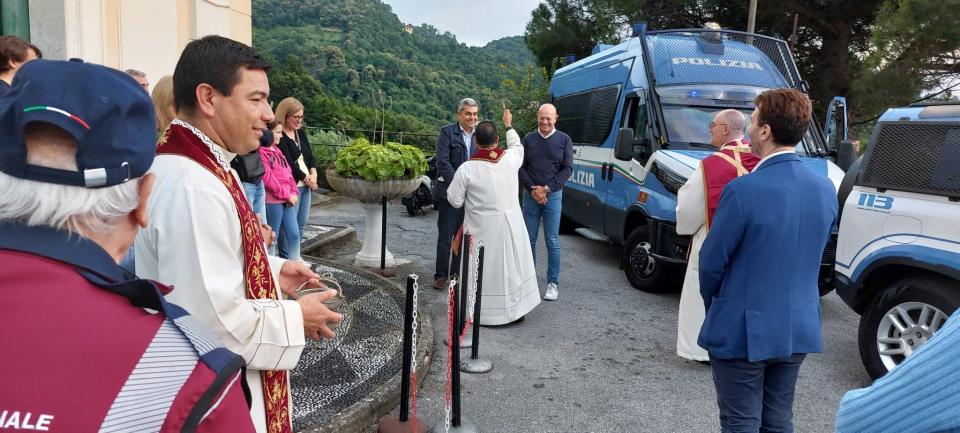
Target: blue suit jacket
<point>760,262</point>
<point>451,152</point>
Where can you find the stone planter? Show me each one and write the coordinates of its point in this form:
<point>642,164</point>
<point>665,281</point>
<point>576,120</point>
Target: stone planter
<point>371,193</point>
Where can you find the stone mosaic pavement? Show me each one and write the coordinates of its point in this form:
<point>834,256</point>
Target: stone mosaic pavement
<point>333,374</point>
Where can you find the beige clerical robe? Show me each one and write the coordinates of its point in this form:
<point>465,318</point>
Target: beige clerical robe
<point>193,242</point>
<point>692,219</point>
<point>488,192</point>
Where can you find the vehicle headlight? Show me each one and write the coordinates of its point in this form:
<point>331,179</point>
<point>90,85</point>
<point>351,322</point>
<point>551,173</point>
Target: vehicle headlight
<point>670,180</point>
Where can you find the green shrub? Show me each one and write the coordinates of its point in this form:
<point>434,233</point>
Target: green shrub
<point>326,144</point>
<point>375,162</point>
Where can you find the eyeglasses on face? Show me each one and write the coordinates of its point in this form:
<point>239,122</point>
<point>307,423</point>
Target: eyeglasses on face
<point>298,117</point>
<point>712,124</point>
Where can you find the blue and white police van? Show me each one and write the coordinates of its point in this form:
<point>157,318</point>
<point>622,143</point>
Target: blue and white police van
<point>898,254</point>
<point>638,114</point>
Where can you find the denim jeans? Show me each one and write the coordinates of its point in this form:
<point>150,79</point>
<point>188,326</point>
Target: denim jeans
<point>756,396</point>
<point>533,212</point>
<point>283,221</point>
<point>302,213</point>
<point>255,196</point>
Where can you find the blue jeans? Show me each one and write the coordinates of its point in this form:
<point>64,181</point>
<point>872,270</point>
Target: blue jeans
<point>283,220</point>
<point>255,196</point>
<point>756,396</point>
<point>533,212</point>
<point>302,213</point>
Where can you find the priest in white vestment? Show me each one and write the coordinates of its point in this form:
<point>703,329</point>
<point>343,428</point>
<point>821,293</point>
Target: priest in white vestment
<point>696,201</point>
<point>204,240</point>
<point>487,187</point>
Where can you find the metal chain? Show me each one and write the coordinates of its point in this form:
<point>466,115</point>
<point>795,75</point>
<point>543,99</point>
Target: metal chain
<point>413,349</point>
<point>472,287</point>
<point>448,394</point>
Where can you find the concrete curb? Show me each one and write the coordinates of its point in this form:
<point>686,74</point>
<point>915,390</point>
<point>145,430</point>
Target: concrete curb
<point>360,416</point>
<point>335,237</point>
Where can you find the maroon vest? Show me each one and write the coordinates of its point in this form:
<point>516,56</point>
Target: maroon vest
<point>731,161</point>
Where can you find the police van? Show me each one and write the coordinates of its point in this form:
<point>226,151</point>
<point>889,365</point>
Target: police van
<point>898,255</point>
<point>638,113</point>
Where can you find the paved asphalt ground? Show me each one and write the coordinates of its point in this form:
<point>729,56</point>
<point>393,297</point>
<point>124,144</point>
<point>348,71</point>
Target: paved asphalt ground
<point>599,359</point>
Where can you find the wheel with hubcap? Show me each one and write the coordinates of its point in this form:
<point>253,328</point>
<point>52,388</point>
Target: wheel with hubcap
<point>902,318</point>
<point>641,268</point>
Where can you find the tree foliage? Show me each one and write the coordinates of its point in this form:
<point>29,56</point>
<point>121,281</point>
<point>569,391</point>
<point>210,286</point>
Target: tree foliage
<point>876,52</point>
<point>339,56</point>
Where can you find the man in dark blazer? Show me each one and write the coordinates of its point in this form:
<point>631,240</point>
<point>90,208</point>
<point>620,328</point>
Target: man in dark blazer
<point>454,146</point>
<point>759,268</point>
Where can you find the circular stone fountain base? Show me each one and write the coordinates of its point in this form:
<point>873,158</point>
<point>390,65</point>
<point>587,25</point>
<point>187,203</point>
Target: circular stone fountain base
<point>333,375</point>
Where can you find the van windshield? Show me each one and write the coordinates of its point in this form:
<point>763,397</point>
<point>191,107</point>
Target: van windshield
<point>686,124</point>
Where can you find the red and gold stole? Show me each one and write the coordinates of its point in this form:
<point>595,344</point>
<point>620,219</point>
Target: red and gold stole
<point>731,161</point>
<point>177,140</point>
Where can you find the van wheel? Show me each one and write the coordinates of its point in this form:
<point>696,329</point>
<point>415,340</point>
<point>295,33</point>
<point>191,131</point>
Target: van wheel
<point>642,269</point>
<point>902,318</point>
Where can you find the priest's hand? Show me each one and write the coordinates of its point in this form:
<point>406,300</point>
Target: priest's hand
<point>316,315</point>
<point>268,234</point>
<point>507,118</point>
<point>293,274</point>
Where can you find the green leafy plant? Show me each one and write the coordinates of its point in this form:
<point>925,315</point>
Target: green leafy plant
<point>380,162</point>
<point>326,144</point>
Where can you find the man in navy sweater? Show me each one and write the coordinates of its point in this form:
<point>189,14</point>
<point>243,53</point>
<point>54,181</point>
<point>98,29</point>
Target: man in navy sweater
<point>547,164</point>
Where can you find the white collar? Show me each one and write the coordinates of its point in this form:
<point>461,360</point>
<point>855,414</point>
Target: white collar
<point>222,155</point>
<point>552,131</point>
<point>464,131</point>
<point>765,158</point>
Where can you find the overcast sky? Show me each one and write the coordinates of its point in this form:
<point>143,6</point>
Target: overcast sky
<point>474,22</point>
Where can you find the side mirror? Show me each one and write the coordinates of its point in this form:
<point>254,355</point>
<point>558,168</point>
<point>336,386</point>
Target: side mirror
<point>835,126</point>
<point>624,149</point>
<point>846,154</point>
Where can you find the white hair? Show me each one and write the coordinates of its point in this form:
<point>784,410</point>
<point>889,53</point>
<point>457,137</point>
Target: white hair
<point>76,209</point>
<point>467,102</point>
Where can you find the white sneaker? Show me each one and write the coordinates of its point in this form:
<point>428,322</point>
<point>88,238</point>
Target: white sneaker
<point>552,292</point>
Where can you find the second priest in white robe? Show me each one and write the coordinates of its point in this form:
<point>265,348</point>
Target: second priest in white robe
<point>487,187</point>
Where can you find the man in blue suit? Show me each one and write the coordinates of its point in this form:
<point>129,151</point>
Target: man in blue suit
<point>454,146</point>
<point>758,271</point>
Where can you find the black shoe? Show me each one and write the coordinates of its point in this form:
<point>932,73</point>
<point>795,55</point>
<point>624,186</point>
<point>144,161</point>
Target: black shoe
<point>517,321</point>
<point>707,363</point>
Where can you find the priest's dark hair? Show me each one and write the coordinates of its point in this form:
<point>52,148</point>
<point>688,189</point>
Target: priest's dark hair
<point>214,60</point>
<point>486,134</point>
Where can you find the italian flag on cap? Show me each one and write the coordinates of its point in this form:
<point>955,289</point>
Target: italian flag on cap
<point>57,110</point>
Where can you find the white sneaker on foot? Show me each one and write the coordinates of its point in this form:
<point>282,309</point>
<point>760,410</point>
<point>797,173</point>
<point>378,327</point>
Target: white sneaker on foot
<point>552,292</point>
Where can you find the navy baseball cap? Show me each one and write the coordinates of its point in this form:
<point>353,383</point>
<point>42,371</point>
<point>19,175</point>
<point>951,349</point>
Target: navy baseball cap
<point>105,110</point>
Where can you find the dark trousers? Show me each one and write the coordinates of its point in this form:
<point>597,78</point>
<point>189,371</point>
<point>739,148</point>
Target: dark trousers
<point>756,396</point>
<point>448,222</point>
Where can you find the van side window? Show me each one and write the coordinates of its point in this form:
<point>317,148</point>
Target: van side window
<point>636,116</point>
<point>587,117</point>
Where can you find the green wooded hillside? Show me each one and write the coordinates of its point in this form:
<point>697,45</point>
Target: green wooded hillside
<point>336,56</point>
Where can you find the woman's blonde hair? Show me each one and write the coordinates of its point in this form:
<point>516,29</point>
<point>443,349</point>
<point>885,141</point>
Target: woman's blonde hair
<point>162,97</point>
<point>287,107</point>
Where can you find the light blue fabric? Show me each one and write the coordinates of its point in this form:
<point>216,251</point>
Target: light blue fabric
<point>256,194</point>
<point>760,263</point>
<point>283,221</point>
<point>922,394</point>
<point>468,140</point>
<point>128,261</point>
<point>533,212</point>
<point>302,211</point>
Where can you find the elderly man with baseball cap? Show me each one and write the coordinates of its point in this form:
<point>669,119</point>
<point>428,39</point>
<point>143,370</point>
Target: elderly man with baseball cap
<point>88,346</point>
